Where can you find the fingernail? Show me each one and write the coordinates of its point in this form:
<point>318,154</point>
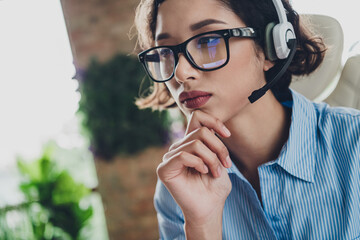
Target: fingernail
<point>206,169</point>
<point>228,161</point>
<point>226,131</point>
<point>219,170</point>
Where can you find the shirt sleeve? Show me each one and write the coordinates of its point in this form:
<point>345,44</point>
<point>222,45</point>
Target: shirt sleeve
<point>169,214</point>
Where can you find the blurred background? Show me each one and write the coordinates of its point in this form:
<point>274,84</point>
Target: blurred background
<point>77,158</point>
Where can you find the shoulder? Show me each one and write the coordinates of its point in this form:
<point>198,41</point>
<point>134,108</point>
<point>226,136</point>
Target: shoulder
<point>339,127</point>
<point>335,128</point>
<point>339,119</point>
<point>325,122</point>
<point>336,112</point>
<point>324,112</point>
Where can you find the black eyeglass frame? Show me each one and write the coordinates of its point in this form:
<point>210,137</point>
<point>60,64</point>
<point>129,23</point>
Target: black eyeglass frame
<point>243,32</point>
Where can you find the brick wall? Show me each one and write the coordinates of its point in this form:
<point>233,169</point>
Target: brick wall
<point>100,28</point>
<point>127,187</point>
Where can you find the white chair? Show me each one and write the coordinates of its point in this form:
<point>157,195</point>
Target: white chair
<point>318,85</point>
<point>347,91</point>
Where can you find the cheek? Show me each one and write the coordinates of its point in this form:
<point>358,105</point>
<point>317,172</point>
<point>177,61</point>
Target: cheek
<point>175,89</point>
<point>245,68</point>
<point>172,86</point>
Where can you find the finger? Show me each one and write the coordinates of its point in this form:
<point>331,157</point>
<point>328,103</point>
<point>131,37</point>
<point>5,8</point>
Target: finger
<point>199,149</point>
<point>176,164</point>
<point>214,144</point>
<point>177,143</point>
<point>210,140</point>
<point>199,118</point>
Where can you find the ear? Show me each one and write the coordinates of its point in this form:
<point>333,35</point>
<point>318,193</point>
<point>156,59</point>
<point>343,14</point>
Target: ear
<point>268,64</point>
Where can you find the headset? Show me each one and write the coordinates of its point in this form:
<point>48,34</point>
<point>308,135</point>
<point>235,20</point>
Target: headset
<point>280,45</point>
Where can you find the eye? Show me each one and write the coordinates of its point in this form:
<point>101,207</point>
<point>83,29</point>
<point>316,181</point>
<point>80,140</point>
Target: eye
<point>165,52</point>
<point>209,40</point>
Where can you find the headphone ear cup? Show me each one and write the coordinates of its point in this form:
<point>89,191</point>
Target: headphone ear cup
<point>282,33</point>
<point>270,52</point>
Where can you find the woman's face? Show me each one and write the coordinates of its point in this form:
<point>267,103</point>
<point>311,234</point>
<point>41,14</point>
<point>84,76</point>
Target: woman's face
<point>228,87</point>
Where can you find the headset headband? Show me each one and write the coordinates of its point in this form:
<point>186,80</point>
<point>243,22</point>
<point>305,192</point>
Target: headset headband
<point>284,42</point>
<point>280,11</point>
<point>282,32</point>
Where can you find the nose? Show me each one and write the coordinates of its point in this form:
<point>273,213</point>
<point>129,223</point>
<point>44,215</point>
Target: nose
<point>184,71</point>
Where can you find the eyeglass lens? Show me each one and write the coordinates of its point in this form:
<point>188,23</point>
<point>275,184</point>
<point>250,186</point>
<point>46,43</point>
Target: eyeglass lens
<point>160,63</point>
<point>206,52</point>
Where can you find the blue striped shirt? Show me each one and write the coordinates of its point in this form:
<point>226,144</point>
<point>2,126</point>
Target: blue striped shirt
<point>311,191</point>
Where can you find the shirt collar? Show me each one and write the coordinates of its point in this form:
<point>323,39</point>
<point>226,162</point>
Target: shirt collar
<point>297,156</point>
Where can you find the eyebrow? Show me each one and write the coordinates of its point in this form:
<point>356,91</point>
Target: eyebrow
<point>193,27</point>
<point>204,23</point>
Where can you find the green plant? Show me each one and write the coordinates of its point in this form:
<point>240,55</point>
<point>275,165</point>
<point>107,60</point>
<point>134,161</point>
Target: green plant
<point>113,123</point>
<point>53,200</point>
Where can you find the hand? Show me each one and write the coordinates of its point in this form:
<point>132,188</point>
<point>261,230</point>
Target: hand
<point>194,170</point>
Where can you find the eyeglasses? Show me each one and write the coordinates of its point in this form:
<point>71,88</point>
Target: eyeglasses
<point>206,51</point>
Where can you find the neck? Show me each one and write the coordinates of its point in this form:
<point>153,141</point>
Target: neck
<point>258,133</point>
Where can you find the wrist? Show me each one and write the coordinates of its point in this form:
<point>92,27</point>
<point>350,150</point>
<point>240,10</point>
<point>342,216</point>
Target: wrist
<point>211,229</point>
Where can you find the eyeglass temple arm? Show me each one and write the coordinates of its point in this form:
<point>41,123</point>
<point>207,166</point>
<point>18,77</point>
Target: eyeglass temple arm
<point>243,32</point>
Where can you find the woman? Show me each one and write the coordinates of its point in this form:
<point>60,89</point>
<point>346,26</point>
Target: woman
<point>277,166</point>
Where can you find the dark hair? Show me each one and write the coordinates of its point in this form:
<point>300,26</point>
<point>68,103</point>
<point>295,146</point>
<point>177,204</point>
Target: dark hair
<point>257,14</point>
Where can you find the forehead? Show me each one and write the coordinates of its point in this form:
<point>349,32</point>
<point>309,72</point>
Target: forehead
<point>175,17</point>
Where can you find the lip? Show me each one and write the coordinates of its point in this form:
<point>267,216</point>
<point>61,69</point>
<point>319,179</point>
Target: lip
<point>194,99</point>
